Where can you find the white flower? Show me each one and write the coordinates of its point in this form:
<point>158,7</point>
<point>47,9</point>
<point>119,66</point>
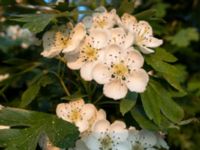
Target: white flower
<point>144,37</point>
<point>23,34</point>
<point>119,37</point>
<point>4,127</point>
<point>60,40</point>
<point>4,76</point>
<point>77,112</point>
<point>145,139</point>
<point>121,71</point>
<point>127,21</point>
<point>104,20</point>
<point>106,136</point>
<point>90,53</point>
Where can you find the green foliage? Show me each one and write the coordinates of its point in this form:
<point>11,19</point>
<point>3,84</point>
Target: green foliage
<point>160,61</point>
<point>35,22</point>
<point>28,126</point>
<point>184,37</point>
<point>157,99</point>
<point>128,102</point>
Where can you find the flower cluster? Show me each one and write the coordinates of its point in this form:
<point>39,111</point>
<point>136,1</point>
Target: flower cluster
<point>105,48</point>
<point>27,38</point>
<point>97,133</point>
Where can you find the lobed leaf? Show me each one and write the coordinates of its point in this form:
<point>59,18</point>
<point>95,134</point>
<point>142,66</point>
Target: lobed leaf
<point>28,126</point>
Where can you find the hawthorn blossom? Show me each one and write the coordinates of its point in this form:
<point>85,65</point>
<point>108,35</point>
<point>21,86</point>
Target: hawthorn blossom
<point>90,53</point>
<point>144,37</point>
<point>121,71</point>
<point>61,40</point>
<point>145,139</point>
<point>104,20</point>
<point>106,136</point>
<point>81,114</point>
<point>15,32</point>
<point>4,76</point>
<point>142,32</point>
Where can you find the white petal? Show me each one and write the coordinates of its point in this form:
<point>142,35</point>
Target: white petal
<point>75,65</point>
<point>143,28</point>
<point>115,90</point>
<point>71,46</point>
<point>82,125</point>
<point>92,143</point>
<point>101,115</point>
<point>122,146</point>
<point>101,74</point>
<point>145,50</point>
<point>87,21</point>
<point>118,36</point>
<point>129,40</point>
<point>4,127</point>
<point>88,111</point>
<point>112,54</point>
<point>137,81</point>
<point>98,38</point>
<point>50,49</point>
<point>86,71</point>
<point>78,32</point>
<point>101,126</point>
<point>147,138</point>
<point>134,59</point>
<point>152,42</point>
<point>63,110</point>
<point>118,131</point>
<point>127,21</point>
<point>80,145</point>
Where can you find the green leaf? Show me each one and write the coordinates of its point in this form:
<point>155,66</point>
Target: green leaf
<point>151,104</point>
<point>128,102</point>
<point>126,6</point>
<point>145,14</point>
<point>184,37</point>
<point>168,107</point>
<point>28,126</point>
<point>142,119</point>
<point>159,62</point>
<point>35,22</point>
<point>30,94</point>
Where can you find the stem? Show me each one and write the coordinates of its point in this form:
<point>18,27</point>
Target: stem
<point>61,82</point>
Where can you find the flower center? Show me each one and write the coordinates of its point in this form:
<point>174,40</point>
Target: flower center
<point>89,53</point>
<point>120,70</point>
<point>106,143</point>
<point>137,146</point>
<point>60,40</point>
<point>75,115</point>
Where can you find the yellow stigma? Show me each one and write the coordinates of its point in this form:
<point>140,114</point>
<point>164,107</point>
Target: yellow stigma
<point>106,142</point>
<point>89,53</point>
<point>75,115</point>
<point>120,69</point>
<point>61,40</point>
<point>101,23</point>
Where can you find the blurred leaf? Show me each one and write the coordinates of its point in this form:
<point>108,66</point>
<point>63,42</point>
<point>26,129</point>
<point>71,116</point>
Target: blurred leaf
<point>142,120</point>
<point>161,9</point>
<point>194,83</point>
<point>145,15</point>
<point>126,6</point>
<point>128,102</point>
<point>30,94</point>
<point>151,104</point>
<point>6,43</point>
<point>159,62</point>
<point>28,126</point>
<point>184,37</point>
<point>35,22</point>
<point>168,107</point>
